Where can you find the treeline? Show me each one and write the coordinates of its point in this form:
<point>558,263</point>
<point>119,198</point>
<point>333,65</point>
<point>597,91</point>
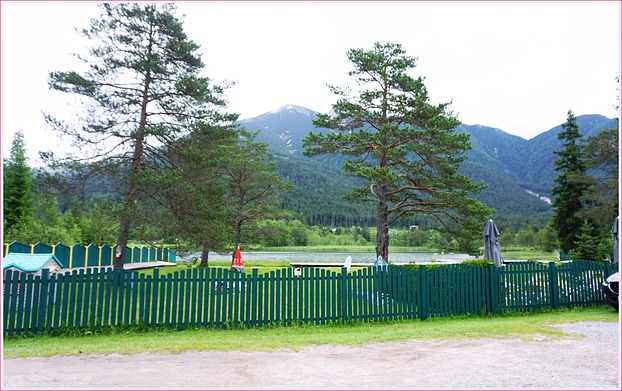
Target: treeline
<point>88,215</point>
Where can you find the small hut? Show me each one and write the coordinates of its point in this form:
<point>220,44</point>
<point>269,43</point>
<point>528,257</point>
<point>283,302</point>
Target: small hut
<point>31,263</point>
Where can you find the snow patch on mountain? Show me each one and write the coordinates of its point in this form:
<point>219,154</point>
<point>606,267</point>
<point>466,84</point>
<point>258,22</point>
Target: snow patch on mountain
<point>287,139</point>
<point>293,108</point>
<point>542,198</point>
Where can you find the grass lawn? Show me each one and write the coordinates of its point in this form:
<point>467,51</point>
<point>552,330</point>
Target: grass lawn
<point>523,326</point>
<point>521,253</point>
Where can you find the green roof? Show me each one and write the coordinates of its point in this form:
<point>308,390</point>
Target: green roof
<point>28,262</point>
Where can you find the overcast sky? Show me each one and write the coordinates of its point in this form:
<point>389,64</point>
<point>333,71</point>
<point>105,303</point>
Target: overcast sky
<point>515,66</point>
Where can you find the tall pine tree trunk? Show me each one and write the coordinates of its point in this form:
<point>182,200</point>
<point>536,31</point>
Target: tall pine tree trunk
<point>204,256</point>
<point>205,253</point>
<point>122,239</point>
<point>382,224</point>
<point>135,168</point>
<point>238,237</point>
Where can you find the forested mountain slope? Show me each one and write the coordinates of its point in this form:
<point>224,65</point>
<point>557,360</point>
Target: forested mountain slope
<point>519,173</point>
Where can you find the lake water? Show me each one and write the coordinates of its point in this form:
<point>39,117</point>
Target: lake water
<point>340,257</point>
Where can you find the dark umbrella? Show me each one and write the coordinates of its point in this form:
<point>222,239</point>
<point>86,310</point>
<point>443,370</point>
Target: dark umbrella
<point>616,247</point>
<point>492,249</point>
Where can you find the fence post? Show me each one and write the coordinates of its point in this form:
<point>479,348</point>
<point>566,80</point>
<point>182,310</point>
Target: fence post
<point>156,295</point>
<point>343,295</point>
<point>493,288</point>
<point>608,269</point>
<point>255,297</point>
<point>424,308</point>
<point>554,285</point>
<point>42,299</point>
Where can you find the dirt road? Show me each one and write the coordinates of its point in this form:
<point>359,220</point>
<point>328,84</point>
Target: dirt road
<point>590,360</point>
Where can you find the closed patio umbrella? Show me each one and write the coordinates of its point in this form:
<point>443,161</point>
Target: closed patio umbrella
<point>616,245</point>
<point>492,248</point>
<point>348,264</point>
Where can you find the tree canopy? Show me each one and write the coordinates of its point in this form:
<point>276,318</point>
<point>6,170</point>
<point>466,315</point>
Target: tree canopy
<point>142,92</point>
<point>17,201</point>
<point>405,149</point>
<point>568,194</point>
<point>601,198</point>
<point>253,185</point>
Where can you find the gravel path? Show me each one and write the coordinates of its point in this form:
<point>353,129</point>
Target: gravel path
<point>588,361</point>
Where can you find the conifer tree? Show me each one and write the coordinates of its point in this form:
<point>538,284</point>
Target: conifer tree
<point>194,191</point>
<point>567,195</point>
<point>601,198</point>
<point>142,91</point>
<point>18,200</point>
<point>405,150</point>
<point>586,245</point>
<point>253,185</point>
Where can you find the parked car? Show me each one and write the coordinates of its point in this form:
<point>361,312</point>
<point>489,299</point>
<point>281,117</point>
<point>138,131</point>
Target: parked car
<point>612,290</point>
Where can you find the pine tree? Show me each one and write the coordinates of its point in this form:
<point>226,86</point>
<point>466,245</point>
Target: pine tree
<point>18,199</point>
<point>586,245</point>
<point>194,192</point>
<point>568,194</point>
<point>141,93</point>
<point>405,150</point>
<point>601,198</point>
<point>253,185</point>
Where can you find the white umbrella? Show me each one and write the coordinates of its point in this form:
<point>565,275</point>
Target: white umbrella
<point>348,263</point>
<point>492,248</point>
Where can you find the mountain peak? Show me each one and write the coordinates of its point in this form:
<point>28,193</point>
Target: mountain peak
<point>293,108</point>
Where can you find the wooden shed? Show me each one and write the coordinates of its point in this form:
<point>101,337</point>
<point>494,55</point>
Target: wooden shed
<point>31,263</point>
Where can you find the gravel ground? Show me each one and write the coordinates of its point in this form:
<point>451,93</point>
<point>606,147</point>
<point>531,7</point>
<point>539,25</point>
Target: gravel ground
<point>588,359</point>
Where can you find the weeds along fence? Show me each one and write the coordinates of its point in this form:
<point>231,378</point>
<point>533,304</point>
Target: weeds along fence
<point>92,299</point>
<point>91,255</point>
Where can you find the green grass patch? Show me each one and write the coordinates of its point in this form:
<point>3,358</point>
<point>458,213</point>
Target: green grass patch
<point>526,253</point>
<point>532,326</point>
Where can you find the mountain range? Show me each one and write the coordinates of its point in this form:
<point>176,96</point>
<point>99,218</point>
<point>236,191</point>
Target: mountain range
<point>519,172</point>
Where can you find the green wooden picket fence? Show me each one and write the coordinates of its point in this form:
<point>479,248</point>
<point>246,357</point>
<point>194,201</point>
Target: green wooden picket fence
<point>214,297</point>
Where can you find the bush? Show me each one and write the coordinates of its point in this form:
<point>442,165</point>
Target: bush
<point>479,262</point>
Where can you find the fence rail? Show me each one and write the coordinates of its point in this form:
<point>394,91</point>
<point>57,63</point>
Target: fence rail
<point>91,255</point>
<point>214,297</point>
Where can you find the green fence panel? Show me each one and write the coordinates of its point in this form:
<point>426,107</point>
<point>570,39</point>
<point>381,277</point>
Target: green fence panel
<point>134,253</point>
<point>144,254</point>
<point>51,296</point>
<point>92,255</point>
<point>424,300</point>
<point>78,254</point>
<point>188,309</point>
<point>10,296</point>
<point>40,248</point>
<point>107,256</point>
<point>17,247</point>
<point>30,311</point>
<point>79,296</point>
<point>167,300</point>
<point>63,254</point>
<point>127,258</point>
